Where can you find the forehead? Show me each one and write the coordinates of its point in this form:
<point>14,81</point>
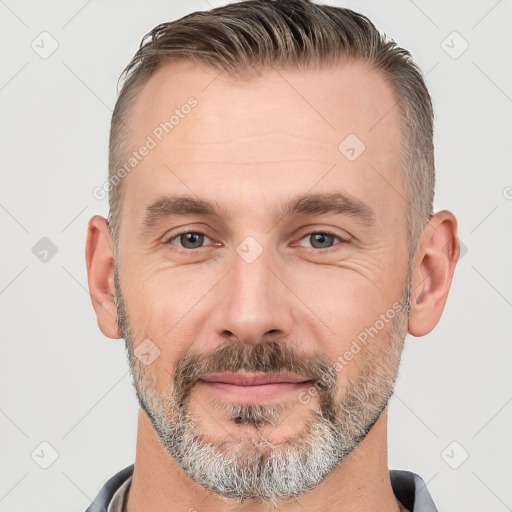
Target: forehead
<point>283,131</point>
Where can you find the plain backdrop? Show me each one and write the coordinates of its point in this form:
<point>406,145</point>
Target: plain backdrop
<point>67,401</point>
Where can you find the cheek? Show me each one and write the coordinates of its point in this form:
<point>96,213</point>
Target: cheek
<point>358,308</point>
<point>349,299</point>
<point>152,318</point>
<point>159,297</point>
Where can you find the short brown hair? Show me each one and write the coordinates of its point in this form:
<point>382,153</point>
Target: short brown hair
<point>246,37</point>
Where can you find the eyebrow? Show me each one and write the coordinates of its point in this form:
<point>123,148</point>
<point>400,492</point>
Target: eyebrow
<point>309,204</point>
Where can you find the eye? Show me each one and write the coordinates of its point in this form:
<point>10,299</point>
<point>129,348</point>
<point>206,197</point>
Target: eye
<point>196,239</point>
<point>189,239</point>
<point>320,240</point>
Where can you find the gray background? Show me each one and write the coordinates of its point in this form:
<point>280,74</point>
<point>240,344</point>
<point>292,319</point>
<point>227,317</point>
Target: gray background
<point>62,382</point>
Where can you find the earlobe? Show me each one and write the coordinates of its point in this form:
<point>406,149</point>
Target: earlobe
<point>433,267</point>
<point>100,275</point>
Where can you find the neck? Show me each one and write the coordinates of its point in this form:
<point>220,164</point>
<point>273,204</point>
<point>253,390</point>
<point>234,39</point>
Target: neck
<point>361,482</point>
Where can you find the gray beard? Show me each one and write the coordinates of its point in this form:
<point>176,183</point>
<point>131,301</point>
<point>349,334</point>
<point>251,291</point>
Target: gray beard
<point>243,469</point>
<point>259,470</point>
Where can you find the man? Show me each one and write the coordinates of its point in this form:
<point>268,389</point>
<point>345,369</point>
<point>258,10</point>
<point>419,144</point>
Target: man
<point>270,243</point>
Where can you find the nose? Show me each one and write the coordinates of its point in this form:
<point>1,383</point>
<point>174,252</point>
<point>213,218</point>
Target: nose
<point>252,304</point>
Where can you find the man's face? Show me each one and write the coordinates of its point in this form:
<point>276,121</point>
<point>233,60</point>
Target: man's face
<point>265,264</point>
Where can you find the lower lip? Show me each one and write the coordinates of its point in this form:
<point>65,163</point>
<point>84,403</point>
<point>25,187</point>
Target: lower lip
<point>255,393</point>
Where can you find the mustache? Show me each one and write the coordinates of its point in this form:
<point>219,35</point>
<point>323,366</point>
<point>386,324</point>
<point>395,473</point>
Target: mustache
<point>266,357</point>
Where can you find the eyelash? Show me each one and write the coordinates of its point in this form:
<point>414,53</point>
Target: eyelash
<point>315,232</point>
<point>324,232</point>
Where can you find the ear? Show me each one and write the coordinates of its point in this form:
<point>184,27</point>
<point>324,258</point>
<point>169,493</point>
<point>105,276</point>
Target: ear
<point>99,257</point>
<point>434,263</point>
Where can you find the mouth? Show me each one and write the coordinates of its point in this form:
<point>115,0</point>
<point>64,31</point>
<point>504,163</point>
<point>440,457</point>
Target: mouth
<point>253,386</point>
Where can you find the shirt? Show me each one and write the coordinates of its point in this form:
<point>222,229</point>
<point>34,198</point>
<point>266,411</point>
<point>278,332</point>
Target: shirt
<point>409,488</point>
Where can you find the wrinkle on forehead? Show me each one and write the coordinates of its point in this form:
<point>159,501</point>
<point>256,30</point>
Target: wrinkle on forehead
<point>278,130</point>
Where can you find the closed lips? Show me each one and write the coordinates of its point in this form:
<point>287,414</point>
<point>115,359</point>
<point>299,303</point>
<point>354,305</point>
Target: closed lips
<point>253,379</point>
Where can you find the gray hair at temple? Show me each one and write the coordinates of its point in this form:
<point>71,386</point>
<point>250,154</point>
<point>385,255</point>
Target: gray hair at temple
<point>244,39</point>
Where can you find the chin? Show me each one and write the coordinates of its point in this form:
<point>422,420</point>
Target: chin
<point>267,426</point>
